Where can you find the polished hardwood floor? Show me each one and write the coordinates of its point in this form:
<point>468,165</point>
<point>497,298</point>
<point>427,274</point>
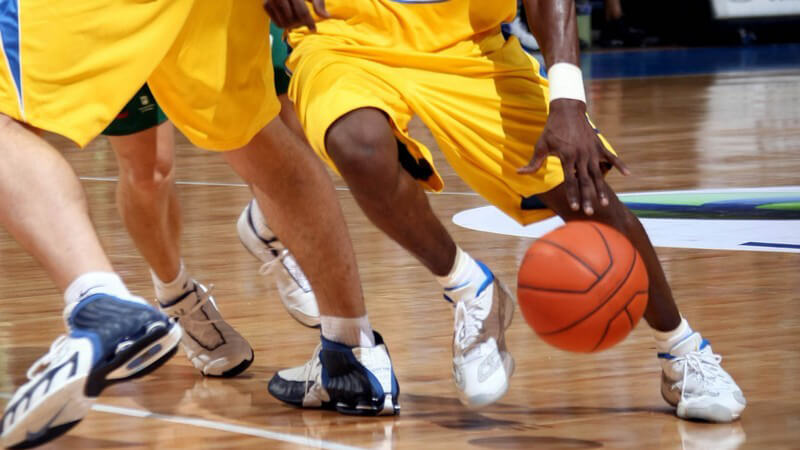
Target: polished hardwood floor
<point>739,130</point>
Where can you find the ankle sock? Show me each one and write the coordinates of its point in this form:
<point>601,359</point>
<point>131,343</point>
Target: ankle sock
<point>166,291</point>
<point>465,271</point>
<point>350,331</point>
<point>95,283</point>
<point>665,340</point>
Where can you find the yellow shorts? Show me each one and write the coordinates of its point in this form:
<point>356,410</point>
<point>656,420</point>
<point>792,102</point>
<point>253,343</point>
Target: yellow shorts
<point>485,103</point>
<point>70,66</point>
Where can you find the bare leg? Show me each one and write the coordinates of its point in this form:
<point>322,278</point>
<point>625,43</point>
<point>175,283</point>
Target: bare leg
<point>364,149</point>
<point>289,182</point>
<point>661,313</point>
<point>45,207</point>
<point>146,196</point>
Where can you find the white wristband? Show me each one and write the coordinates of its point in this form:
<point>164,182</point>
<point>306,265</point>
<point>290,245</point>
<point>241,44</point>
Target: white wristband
<point>566,81</point>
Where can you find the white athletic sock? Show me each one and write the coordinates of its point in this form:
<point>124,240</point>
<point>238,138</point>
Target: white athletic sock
<point>262,229</point>
<point>351,331</point>
<point>665,340</point>
<point>94,283</point>
<point>168,291</point>
<point>465,271</point>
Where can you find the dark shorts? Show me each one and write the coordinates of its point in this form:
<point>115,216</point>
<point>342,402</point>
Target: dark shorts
<point>142,112</point>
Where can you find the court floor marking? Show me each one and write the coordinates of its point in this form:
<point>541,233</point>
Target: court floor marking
<point>222,184</point>
<point>219,426</point>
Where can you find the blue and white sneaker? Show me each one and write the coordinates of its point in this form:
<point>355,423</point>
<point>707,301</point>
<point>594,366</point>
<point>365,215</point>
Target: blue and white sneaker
<point>109,340</point>
<point>693,381</point>
<point>482,364</point>
<point>351,380</point>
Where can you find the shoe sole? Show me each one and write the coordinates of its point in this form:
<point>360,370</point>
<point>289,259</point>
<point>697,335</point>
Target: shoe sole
<point>236,370</point>
<point>242,227</point>
<point>77,397</point>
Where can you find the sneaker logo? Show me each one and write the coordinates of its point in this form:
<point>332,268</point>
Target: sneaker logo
<point>84,292</point>
<point>488,366</point>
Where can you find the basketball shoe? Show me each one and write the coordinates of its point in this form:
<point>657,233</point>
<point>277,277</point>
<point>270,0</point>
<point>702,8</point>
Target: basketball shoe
<point>482,365</point>
<point>693,381</point>
<point>109,340</point>
<point>351,380</point>
<point>210,343</point>
<point>293,287</point>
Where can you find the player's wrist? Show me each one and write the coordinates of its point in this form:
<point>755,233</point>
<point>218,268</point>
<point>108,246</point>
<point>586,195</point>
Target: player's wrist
<point>566,82</point>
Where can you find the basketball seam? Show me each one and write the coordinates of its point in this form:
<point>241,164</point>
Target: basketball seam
<point>625,309</point>
<point>576,258</point>
<point>607,299</point>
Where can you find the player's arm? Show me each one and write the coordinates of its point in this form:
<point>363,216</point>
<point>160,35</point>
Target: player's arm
<point>289,14</point>
<point>567,133</point>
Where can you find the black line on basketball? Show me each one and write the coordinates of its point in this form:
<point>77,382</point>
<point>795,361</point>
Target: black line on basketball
<point>607,299</point>
<point>625,309</point>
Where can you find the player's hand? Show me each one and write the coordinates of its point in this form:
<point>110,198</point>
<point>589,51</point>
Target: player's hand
<point>569,136</point>
<point>294,13</point>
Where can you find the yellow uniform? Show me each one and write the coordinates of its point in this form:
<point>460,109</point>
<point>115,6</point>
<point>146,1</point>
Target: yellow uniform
<point>70,66</point>
<point>482,97</point>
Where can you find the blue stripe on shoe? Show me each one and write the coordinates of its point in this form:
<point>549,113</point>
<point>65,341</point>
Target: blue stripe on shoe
<point>704,344</point>
<point>489,278</point>
<point>666,356</point>
<point>453,288</point>
<point>448,299</point>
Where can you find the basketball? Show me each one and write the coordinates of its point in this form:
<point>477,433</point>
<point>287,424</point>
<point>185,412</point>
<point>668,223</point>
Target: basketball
<point>582,287</point>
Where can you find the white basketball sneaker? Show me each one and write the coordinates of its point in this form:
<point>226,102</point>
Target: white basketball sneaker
<point>293,286</point>
<point>109,340</point>
<point>693,381</point>
<point>482,365</point>
<point>210,343</point>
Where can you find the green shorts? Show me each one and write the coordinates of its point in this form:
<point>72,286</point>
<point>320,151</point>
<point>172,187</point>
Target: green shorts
<point>142,112</point>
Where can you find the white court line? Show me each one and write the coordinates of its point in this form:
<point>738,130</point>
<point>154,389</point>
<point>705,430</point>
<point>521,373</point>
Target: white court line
<point>220,426</point>
<point>214,183</point>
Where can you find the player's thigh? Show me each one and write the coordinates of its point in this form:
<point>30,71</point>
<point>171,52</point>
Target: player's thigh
<point>340,100</point>
<point>216,82</point>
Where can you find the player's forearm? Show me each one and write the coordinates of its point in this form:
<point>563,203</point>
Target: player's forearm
<point>553,24</point>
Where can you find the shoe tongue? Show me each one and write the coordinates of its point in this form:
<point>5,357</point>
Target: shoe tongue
<point>691,343</point>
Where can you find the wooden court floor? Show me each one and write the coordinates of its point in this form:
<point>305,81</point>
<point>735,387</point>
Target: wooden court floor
<point>736,130</point>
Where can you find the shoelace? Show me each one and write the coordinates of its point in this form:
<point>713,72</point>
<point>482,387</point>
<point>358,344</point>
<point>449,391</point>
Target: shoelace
<point>55,352</point>
<point>288,261</point>
<point>468,322</point>
<point>703,365</point>
<point>203,297</point>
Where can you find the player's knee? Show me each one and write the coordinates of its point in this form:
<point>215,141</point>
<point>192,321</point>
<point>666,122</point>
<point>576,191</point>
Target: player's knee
<point>360,149</point>
<point>147,176</point>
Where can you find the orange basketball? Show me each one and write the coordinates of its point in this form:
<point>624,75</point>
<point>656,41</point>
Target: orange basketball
<point>582,287</point>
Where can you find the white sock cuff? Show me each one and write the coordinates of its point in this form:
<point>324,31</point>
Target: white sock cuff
<point>172,289</point>
<point>94,283</point>
<point>351,331</point>
<point>670,338</point>
<point>461,271</point>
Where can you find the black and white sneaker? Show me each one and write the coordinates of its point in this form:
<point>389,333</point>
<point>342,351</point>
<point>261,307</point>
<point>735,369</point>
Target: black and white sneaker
<point>109,340</point>
<point>351,380</point>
